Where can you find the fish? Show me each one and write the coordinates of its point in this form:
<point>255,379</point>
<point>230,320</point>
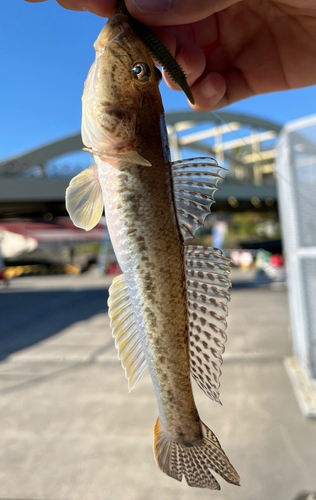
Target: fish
<point>169,306</point>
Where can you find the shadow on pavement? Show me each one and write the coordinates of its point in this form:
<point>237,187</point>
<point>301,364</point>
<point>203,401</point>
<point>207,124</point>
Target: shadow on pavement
<point>27,318</point>
<point>260,279</point>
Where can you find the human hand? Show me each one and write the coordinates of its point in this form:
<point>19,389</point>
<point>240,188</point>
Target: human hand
<point>229,49</point>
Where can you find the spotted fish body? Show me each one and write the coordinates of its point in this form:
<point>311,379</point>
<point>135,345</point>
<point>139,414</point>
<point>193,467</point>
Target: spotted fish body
<point>168,308</point>
<point>145,236</point>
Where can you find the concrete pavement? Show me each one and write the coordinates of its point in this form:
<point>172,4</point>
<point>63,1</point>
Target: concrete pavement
<point>69,430</point>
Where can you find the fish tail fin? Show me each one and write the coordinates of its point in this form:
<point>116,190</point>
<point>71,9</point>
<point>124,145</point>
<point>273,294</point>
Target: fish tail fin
<point>193,460</point>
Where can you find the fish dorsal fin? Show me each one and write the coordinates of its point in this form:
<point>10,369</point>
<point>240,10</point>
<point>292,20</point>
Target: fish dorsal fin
<point>84,201</point>
<point>194,184</point>
<point>125,331</point>
<point>208,295</point>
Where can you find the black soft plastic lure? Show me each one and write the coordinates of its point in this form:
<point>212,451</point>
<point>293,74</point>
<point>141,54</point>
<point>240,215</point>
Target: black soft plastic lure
<point>158,50</point>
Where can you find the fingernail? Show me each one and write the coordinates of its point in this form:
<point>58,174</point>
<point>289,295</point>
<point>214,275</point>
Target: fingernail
<point>207,89</point>
<point>152,6</point>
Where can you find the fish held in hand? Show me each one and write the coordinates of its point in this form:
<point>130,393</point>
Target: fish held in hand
<point>168,309</point>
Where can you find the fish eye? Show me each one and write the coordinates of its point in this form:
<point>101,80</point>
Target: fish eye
<point>141,72</point>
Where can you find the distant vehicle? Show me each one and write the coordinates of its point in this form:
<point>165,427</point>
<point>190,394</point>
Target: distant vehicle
<point>276,269</point>
<point>3,279</point>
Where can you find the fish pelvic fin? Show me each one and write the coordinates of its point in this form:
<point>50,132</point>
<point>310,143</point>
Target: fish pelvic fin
<point>193,460</point>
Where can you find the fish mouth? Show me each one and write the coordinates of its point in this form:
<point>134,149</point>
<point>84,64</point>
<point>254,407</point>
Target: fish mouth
<point>115,26</point>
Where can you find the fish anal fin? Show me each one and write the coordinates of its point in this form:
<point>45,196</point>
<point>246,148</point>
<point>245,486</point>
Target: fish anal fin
<point>208,295</point>
<point>84,200</point>
<point>194,460</point>
<point>125,331</point>
<point>195,182</point>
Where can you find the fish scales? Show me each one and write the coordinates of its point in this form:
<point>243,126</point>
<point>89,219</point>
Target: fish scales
<point>152,260</point>
<point>123,127</point>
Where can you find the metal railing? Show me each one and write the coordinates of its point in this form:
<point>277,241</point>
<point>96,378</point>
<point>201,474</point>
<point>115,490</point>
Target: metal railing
<point>296,165</point>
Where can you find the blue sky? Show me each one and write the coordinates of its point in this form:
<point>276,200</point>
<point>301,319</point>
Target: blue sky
<point>46,52</point>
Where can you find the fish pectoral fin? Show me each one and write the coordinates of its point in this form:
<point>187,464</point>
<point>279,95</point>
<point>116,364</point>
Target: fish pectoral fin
<point>194,184</point>
<point>132,157</point>
<point>208,295</point>
<point>125,331</point>
<point>84,201</point>
<point>193,459</point>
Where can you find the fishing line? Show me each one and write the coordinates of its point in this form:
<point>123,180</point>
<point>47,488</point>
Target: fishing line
<point>286,179</point>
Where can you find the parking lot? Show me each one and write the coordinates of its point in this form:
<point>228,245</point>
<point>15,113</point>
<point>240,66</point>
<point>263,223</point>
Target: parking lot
<point>71,431</point>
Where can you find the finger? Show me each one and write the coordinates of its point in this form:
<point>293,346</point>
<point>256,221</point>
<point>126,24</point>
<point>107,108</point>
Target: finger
<point>208,92</point>
<point>167,38</point>
<point>174,11</point>
<point>237,89</point>
<point>203,34</point>
<point>192,61</point>
<point>103,8</point>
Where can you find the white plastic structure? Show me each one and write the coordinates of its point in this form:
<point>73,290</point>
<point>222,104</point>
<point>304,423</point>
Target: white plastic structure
<point>296,165</point>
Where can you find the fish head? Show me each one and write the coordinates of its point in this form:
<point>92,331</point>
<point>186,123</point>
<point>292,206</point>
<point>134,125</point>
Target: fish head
<point>120,78</point>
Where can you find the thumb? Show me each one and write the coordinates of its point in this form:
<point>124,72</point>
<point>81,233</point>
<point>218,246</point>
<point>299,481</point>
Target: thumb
<point>174,12</point>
